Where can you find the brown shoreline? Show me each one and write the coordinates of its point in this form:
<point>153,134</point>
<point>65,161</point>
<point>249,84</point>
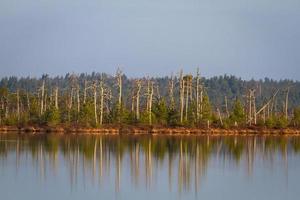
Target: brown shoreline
<point>136,130</point>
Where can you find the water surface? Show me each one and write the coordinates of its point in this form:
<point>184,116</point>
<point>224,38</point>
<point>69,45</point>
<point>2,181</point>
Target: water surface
<point>51,166</point>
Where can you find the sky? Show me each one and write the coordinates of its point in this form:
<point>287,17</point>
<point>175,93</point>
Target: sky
<point>248,39</point>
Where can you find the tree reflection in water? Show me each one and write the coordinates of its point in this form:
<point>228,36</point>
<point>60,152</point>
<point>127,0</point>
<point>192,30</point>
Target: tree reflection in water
<point>102,159</point>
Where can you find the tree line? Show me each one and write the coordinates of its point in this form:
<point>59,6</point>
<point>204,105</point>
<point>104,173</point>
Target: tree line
<point>179,100</point>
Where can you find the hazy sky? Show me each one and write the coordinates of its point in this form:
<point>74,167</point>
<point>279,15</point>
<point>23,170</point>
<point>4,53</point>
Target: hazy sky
<point>247,38</point>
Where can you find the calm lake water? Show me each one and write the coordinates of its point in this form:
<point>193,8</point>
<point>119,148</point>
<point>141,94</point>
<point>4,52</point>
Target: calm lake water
<point>73,167</point>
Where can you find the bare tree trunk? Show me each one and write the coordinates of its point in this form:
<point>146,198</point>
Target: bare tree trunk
<point>71,98</point>
<point>138,82</point>
<point>148,94</point>
<point>132,102</point>
<point>101,102</point>
<point>18,105</point>
<point>42,97</point>
<point>254,109</point>
<point>250,109</point>
<point>226,107</point>
<point>220,117</point>
<point>119,82</point>
<point>95,102</point>
<point>187,99</point>
<point>28,102</point>
<point>45,102</point>
<point>56,98</point>
<point>150,104</point>
<point>201,102</point>
<point>171,92</point>
<point>181,91</point>
<point>84,91</point>
<point>286,103</point>
<point>197,95</point>
<point>78,99</point>
<point>6,107</point>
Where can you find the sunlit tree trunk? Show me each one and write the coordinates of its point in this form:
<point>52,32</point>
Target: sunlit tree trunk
<point>119,82</point>
<point>139,86</point>
<point>95,102</point>
<point>150,103</point>
<point>286,103</point>
<point>101,102</point>
<point>56,98</point>
<point>42,97</point>
<point>171,92</point>
<point>18,104</point>
<point>181,94</point>
<point>84,91</point>
<point>197,95</point>
<point>78,99</point>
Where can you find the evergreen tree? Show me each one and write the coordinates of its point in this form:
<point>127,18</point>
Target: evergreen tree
<point>86,115</point>
<point>206,109</point>
<point>51,116</point>
<point>238,115</point>
<point>160,111</point>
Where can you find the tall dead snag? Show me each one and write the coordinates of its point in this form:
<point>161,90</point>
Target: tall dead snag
<point>119,83</point>
<point>56,97</point>
<point>287,103</point>
<point>132,101</point>
<point>73,80</point>
<point>150,99</point>
<point>18,104</point>
<point>266,107</point>
<point>42,96</point>
<point>95,101</point>
<point>171,92</point>
<point>181,94</point>
<point>252,107</point>
<point>197,95</point>
<point>101,102</point>
<point>78,98</point>
<point>188,80</point>
<point>138,90</point>
<point>84,91</point>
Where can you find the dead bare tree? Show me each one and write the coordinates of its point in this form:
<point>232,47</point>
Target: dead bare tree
<point>101,101</point>
<point>119,75</point>
<point>95,101</point>
<point>287,102</point>
<point>197,95</point>
<point>171,92</point>
<point>188,80</point>
<point>181,94</point>
<point>56,98</point>
<point>78,98</point>
<point>18,104</point>
<point>42,96</point>
<point>150,100</point>
<point>138,87</point>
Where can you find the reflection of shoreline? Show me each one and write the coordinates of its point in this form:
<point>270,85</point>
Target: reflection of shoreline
<point>142,130</point>
<point>97,159</point>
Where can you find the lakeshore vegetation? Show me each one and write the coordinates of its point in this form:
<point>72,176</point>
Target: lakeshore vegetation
<point>185,100</point>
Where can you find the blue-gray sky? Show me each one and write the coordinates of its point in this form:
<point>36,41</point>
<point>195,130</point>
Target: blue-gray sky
<point>250,39</point>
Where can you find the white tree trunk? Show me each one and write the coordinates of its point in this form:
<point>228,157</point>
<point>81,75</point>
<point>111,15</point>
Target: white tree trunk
<point>138,99</point>
<point>101,102</point>
<point>56,98</point>
<point>150,103</point>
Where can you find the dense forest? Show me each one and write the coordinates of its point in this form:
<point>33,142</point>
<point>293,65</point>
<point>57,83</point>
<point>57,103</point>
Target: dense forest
<point>93,100</point>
